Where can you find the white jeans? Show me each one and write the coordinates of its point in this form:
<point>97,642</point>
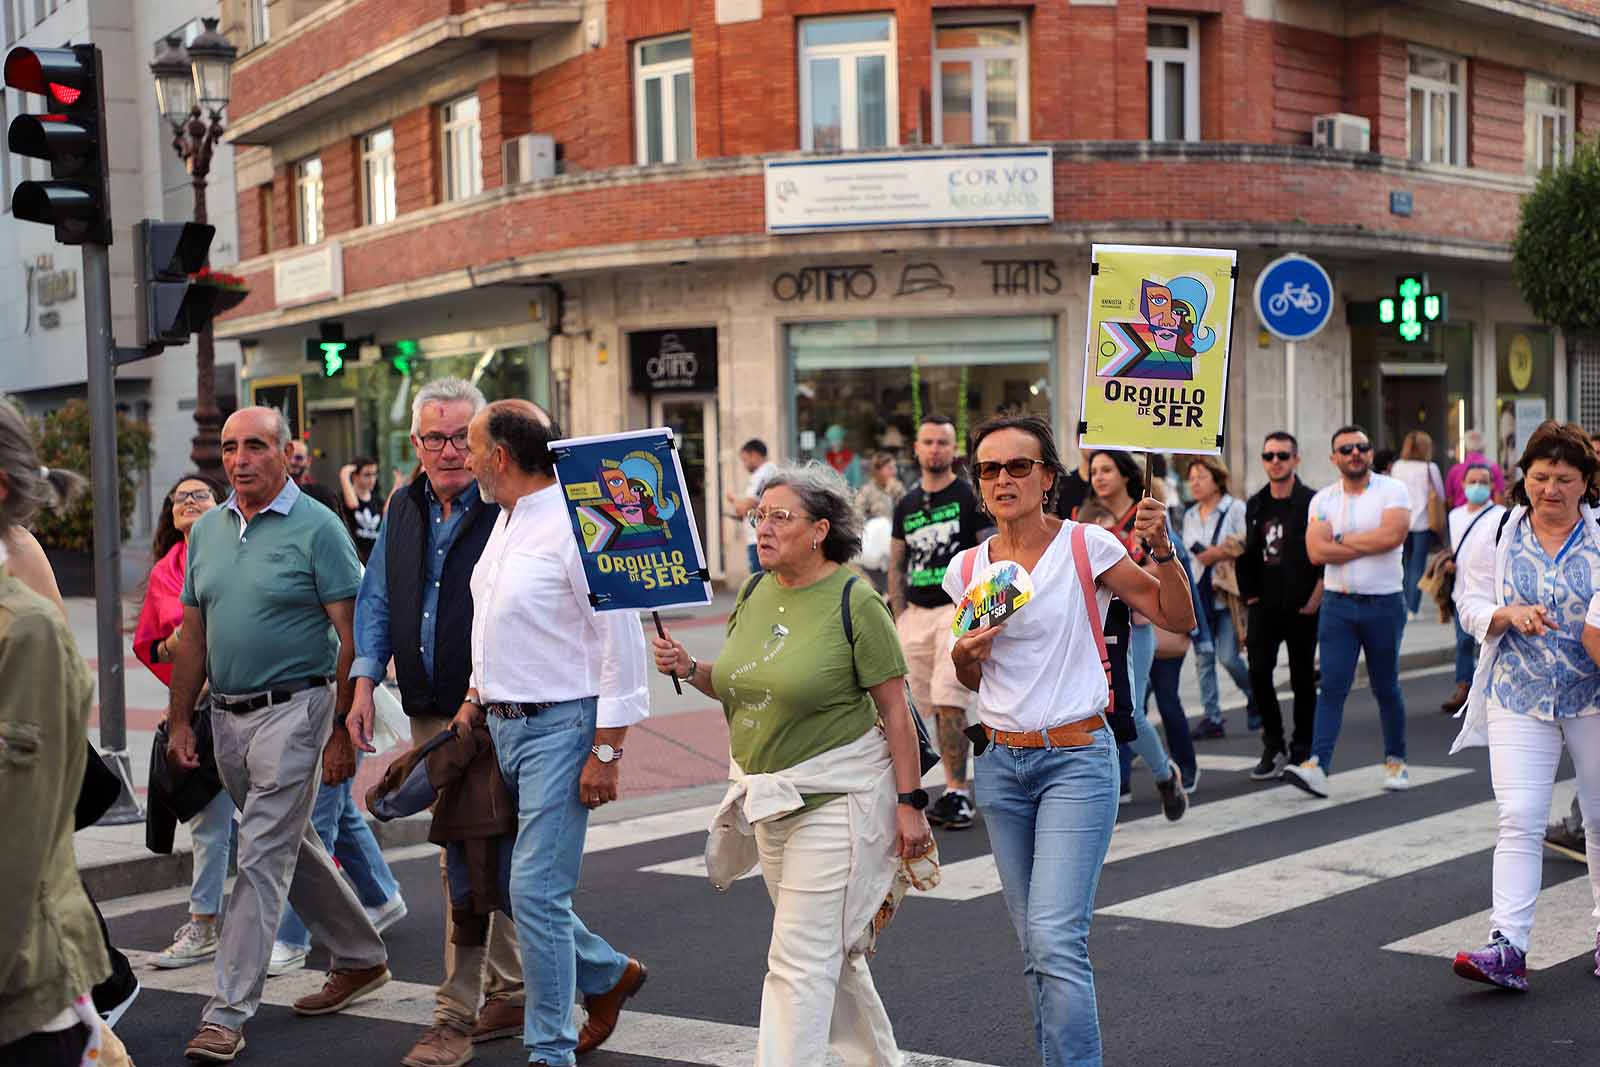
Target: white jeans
<point>813,996</point>
<point>1524,753</point>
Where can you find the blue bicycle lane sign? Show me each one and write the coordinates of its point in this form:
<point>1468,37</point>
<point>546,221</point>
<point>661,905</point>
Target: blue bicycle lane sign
<point>1294,297</point>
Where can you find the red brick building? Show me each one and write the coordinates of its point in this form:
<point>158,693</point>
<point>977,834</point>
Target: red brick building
<point>532,191</point>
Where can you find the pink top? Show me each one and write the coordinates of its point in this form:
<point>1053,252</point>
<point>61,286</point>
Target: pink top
<point>1455,482</point>
<point>163,611</point>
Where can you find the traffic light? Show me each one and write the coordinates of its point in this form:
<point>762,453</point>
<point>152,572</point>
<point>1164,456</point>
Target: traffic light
<point>170,307</point>
<point>71,137</point>
<point>330,349</point>
<point>402,355</point>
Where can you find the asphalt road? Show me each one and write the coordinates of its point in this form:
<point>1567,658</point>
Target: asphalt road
<point>1266,927</point>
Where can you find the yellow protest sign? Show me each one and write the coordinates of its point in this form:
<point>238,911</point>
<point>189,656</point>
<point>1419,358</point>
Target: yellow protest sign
<point>1155,370</point>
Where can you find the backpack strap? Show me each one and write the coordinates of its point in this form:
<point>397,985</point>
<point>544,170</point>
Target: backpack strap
<point>1080,559</point>
<point>844,608</point>
<point>749,587</point>
<point>969,560</point>
<point>1498,530</point>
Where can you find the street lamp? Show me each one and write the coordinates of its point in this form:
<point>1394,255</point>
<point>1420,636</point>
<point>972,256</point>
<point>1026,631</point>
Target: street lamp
<point>192,88</point>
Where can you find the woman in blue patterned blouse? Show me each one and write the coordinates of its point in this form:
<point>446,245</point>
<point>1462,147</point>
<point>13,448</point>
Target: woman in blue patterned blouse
<point>1525,596</point>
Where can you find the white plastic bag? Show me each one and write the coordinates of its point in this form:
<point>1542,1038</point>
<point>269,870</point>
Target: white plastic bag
<point>390,725</point>
<point>875,535</point>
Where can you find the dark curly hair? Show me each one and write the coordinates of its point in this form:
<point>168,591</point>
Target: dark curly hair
<point>167,533</point>
<point>1560,442</point>
<point>1127,468</point>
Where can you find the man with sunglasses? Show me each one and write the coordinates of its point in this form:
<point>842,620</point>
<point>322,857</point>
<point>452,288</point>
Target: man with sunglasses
<point>1284,591</point>
<point>936,519</point>
<point>1357,527</point>
<point>415,605</point>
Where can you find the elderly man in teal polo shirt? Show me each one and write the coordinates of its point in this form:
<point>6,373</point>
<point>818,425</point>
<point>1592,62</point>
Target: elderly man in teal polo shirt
<point>268,610</point>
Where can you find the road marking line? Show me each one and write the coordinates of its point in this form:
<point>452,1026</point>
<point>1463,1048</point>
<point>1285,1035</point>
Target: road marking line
<point>1261,890</point>
<point>1564,929</point>
<point>1226,764</point>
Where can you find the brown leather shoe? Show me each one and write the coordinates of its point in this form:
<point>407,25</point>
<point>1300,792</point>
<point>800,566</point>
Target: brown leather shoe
<point>604,1008</point>
<point>499,1017</point>
<point>215,1043</point>
<point>1458,698</point>
<point>441,1045</point>
<point>341,988</point>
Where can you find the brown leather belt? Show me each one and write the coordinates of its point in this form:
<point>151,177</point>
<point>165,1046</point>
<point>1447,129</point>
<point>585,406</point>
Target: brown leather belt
<point>1067,735</point>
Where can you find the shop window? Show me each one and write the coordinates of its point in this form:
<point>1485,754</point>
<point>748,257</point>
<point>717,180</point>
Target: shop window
<point>861,387</point>
<point>664,100</point>
<point>980,65</point>
<point>377,177</point>
<point>1525,384</point>
<point>1546,123</point>
<point>463,148</point>
<point>848,92</point>
<point>1172,64</point>
<point>308,200</point>
<point>1435,113</point>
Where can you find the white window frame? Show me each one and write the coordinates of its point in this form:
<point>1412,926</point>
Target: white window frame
<point>1457,144</point>
<point>309,224</point>
<point>665,72</point>
<point>462,148</point>
<point>260,22</point>
<point>1535,111</point>
<point>1187,58</point>
<point>377,171</point>
<point>978,58</point>
<point>848,54</point>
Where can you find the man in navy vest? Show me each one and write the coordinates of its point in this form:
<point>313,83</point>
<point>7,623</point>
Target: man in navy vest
<point>415,604</point>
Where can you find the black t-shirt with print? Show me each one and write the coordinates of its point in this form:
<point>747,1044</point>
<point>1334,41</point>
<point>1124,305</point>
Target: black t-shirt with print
<point>1275,516</point>
<point>364,521</point>
<point>934,527</point>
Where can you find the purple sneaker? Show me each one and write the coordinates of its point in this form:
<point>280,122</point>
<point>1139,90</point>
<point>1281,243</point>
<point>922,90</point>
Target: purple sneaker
<point>1498,963</point>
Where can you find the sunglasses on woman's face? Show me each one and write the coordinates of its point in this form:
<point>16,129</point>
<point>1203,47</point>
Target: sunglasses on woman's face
<point>989,469</point>
<point>1345,450</point>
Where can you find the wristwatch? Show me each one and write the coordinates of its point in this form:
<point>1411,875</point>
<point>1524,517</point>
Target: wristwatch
<point>606,754</point>
<point>917,798</point>
<point>694,665</point>
<point>1171,555</point>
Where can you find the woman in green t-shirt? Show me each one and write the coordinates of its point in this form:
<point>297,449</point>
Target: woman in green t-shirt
<point>819,717</point>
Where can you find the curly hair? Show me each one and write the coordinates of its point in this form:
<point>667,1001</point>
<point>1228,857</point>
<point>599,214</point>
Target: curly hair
<point>167,533</point>
<point>1560,442</point>
<point>825,495</point>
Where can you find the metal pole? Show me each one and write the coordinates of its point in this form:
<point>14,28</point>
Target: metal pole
<point>102,372</point>
<point>1290,385</point>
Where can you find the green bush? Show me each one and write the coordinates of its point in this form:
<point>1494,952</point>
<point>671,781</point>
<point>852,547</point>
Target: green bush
<point>1553,253</point>
<point>63,441</point>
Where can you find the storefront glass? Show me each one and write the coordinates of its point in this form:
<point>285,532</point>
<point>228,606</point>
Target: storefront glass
<point>862,386</point>
<point>1402,387</point>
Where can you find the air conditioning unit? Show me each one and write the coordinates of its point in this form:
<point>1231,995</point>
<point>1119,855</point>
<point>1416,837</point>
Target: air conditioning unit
<point>529,158</point>
<point>1347,133</point>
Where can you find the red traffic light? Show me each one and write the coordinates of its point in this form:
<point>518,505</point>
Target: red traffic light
<point>61,74</point>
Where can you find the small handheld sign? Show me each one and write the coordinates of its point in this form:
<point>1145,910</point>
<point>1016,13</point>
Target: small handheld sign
<point>996,594</point>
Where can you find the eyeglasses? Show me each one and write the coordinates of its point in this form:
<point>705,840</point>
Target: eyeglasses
<point>778,516</point>
<point>1280,457</point>
<point>1345,450</point>
<point>193,496</point>
<point>990,469</point>
<point>434,442</point>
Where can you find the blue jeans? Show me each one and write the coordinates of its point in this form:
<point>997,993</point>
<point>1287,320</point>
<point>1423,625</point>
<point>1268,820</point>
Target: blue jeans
<point>541,758</point>
<point>1050,813</point>
<point>1348,626</point>
<point>211,835</point>
<point>1164,677</point>
<point>1466,653</point>
<point>348,839</point>
<point>1414,557</point>
<point>755,560</point>
<point>1141,655</point>
<point>1224,650</point>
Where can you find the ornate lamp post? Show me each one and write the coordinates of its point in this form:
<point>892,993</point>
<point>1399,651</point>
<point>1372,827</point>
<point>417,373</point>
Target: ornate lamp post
<point>190,83</point>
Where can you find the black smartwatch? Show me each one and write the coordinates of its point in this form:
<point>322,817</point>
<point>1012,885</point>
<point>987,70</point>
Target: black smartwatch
<point>917,798</point>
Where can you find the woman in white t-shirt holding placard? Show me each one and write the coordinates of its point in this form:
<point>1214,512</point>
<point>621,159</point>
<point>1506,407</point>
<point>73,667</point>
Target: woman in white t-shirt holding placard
<point>1416,469</point>
<point>1047,777</point>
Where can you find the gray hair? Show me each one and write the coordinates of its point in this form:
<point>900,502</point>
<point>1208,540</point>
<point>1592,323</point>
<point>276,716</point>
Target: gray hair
<point>29,486</point>
<point>1473,440</point>
<point>444,391</point>
<point>825,495</point>
<point>281,424</point>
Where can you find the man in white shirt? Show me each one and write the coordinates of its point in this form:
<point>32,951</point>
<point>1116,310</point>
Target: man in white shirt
<point>754,458</point>
<point>1356,529</point>
<point>560,685</point>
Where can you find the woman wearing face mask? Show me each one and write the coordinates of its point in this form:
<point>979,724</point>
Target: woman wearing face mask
<point>1467,524</point>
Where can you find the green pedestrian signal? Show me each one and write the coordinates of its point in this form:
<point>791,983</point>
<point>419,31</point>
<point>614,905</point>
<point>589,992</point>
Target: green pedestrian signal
<point>332,357</point>
<point>329,349</point>
<point>403,356</point>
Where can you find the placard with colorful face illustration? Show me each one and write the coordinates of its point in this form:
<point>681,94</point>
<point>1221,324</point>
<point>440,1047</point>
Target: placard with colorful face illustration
<point>996,594</point>
<point>1155,375</point>
<point>634,527</point>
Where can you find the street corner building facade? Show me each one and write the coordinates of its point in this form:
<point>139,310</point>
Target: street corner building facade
<point>812,221</point>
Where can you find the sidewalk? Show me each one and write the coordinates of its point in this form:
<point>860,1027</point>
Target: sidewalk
<point>676,758</point>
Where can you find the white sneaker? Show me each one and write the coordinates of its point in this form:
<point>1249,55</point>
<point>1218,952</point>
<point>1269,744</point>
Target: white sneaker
<point>388,913</point>
<point>1396,778</point>
<point>193,942</point>
<point>1308,776</point>
<point>286,958</point>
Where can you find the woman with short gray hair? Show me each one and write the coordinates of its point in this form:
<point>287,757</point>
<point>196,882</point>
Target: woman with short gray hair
<point>812,680</point>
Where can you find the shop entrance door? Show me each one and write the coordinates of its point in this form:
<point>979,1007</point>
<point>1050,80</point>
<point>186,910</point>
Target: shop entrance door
<point>333,439</point>
<point>1415,400</point>
<point>693,419</point>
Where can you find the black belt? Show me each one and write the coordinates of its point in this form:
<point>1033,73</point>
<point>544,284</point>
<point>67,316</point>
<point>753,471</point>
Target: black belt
<point>511,709</point>
<point>267,699</point>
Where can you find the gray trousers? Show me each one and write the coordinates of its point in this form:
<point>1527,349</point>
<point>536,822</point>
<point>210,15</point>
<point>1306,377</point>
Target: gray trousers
<point>270,761</point>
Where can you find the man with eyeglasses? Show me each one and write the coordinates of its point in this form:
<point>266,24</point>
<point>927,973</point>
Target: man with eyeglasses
<point>1284,591</point>
<point>415,605</point>
<point>937,518</point>
<point>1357,527</point>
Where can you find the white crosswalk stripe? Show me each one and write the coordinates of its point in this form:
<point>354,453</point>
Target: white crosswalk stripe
<point>1563,929</point>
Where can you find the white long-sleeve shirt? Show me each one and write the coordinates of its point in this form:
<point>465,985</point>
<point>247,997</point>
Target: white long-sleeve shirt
<point>534,636</point>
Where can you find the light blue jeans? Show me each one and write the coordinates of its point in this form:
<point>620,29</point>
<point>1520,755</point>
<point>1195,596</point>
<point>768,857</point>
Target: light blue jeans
<point>1141,658</point>
<point>1225,650</point>
<point>348,839</point>
<point>211,835</point>
<point>1050,812</point>
<point>541,758</point>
